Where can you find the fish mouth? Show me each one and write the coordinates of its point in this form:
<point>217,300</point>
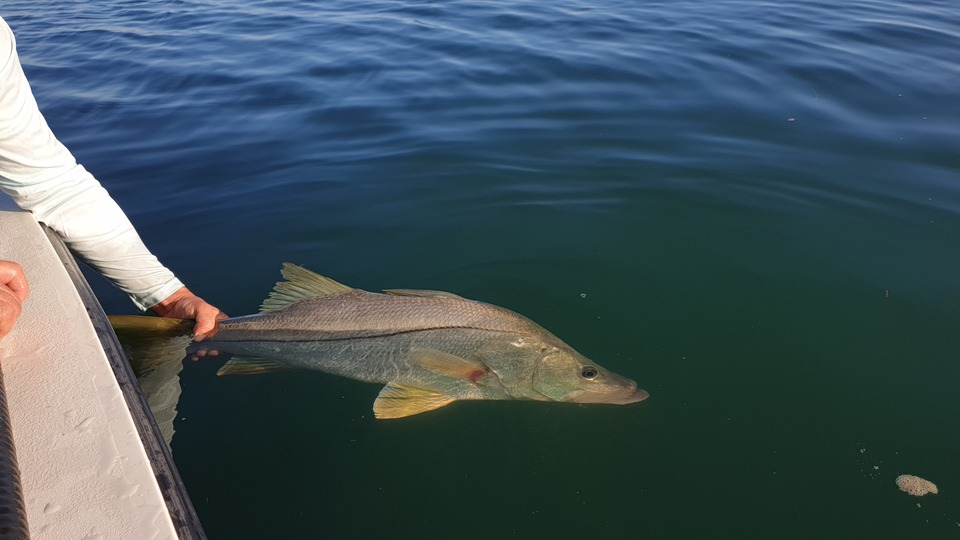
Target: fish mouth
<point>631,395</point>
<point>638,394</point>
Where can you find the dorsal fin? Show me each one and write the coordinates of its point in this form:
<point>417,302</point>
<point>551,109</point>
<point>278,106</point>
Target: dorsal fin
<point>299,284</point>
<point>422,292</point>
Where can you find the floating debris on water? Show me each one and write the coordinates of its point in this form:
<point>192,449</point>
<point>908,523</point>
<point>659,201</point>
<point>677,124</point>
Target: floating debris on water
<point>914,485</point>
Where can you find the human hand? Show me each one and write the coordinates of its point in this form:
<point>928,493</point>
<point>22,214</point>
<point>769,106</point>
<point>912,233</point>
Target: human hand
<point>183,304</point>
<point>13,291</point>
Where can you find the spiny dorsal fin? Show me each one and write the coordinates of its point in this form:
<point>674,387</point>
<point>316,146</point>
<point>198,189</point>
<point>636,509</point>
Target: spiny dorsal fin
<point>449,365</point>
<point>241,365</point>
<point>398,400</point>
<point>299,284</point>
<point>421,292</point>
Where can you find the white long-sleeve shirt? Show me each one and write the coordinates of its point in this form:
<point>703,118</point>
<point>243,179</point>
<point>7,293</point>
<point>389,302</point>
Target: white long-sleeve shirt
<point>43,177</point>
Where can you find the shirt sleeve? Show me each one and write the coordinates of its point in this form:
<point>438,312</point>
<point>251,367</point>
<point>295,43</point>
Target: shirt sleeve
<point>43,177</point>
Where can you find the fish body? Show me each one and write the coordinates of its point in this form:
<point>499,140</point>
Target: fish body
<point>428,348</point>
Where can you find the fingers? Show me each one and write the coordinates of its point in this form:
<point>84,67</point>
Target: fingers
<point>183,304</point>
<point>203,353</point>
<point>11,276</point>
<point>10,308</point>
<point>13,291</point>
<point>207,318</point>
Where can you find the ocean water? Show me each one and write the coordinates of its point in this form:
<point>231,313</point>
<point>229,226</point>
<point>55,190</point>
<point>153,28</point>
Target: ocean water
<point>751,208</point>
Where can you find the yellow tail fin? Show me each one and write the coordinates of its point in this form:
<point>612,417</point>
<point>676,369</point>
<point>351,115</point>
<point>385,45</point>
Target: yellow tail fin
<point>153,343</point>
<point>141,327</point>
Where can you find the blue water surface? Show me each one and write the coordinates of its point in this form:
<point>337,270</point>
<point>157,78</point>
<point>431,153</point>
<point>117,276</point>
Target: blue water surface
<point>752,208</point>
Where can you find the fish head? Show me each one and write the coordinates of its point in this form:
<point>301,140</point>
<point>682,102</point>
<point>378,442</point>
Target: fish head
<point>562,374</point>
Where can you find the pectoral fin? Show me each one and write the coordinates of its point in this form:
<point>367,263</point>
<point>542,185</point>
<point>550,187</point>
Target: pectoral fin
<point>449,365</point>
<point>398,400</point>
<point>250,366</point>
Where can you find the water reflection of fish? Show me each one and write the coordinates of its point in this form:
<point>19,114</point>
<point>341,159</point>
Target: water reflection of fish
<point>429,348</point>
<point>157,364</point>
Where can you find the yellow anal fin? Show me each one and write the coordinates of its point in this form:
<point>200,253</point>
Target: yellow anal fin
<point>449,365</point>
<point>250,366</point>
<point>398,401</point>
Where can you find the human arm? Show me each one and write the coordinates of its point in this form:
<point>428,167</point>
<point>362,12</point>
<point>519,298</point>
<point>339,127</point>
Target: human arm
<point>42,176</point>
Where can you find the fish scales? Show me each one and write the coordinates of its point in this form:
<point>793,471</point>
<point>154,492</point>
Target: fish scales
<point>359,314</point>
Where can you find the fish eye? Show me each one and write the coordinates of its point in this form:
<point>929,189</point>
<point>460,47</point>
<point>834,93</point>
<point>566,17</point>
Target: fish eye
<point>589,372</point>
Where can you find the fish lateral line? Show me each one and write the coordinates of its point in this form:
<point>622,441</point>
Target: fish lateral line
<point>218,338</point>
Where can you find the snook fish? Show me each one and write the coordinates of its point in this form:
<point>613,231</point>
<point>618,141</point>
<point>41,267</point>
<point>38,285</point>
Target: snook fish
<point>429,348</point>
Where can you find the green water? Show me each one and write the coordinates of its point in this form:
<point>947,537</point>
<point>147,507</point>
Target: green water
<point>752,209</point>
<point>796,367</point>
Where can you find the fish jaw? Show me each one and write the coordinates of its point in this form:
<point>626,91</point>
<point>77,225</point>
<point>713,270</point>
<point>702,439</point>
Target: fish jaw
<point>626,397</point>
